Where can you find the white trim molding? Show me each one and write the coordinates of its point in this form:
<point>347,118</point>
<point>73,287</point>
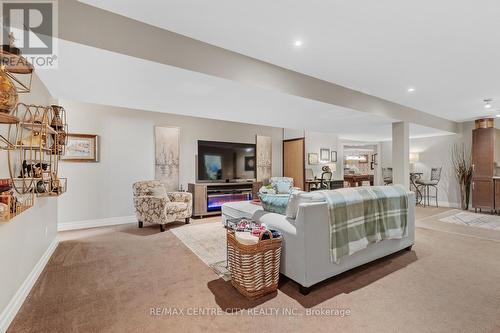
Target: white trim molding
<point>74,225</point>
<point>10,311</point>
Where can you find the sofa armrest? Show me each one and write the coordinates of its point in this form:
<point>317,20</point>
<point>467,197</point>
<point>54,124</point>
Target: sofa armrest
<point>180,197</point>
<point>150,209</point>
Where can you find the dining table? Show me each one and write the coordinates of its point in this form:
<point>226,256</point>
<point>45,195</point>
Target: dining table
<point>357,179</point>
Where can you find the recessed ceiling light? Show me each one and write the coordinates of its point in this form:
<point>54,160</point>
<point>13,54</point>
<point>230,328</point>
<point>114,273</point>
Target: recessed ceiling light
<point>487,103</point>
<point>298,43</point>
<point>411,89</point>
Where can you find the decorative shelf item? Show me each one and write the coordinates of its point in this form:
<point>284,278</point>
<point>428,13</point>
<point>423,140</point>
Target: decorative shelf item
<point>59,127</point>
<point>12,205</point>
<point>16,66</point>
<point>8,98</point>
<point>37,140</point>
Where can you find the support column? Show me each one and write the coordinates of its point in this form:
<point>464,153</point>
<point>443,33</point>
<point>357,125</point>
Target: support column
<point>401,154</point>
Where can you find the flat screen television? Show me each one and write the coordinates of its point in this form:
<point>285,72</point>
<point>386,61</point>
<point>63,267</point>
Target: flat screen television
<point>225,161</point>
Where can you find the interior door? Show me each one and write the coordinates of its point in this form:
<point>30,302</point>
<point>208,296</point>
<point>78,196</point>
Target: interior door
<point>294,161</point>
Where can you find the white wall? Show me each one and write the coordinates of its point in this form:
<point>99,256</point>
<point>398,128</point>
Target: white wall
<point>27,237</point>
<point>314,141</point>
<point>104,189</point>
<point>435,152</point>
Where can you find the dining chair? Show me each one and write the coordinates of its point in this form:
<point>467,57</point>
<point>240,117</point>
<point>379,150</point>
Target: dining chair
<point>324,183</point>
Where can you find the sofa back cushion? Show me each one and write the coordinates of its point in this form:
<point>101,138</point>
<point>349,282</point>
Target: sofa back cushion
<point>298,197</point>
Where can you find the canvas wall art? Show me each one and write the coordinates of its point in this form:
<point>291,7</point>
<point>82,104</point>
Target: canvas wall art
<point>81,148</point>
<point>264,157</point>
<point>167,157</point>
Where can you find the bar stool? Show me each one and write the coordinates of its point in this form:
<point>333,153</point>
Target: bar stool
<point>427,184</point>
<point>387,175</point>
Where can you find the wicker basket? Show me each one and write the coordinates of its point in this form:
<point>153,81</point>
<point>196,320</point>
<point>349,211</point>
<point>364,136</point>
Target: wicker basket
<point>254,268</point>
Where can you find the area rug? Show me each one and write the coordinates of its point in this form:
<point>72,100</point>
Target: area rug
<point>474,220</point>
<point>208,242</point>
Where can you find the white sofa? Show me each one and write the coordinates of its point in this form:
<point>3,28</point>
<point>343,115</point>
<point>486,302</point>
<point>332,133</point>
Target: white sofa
<point>306,251</point>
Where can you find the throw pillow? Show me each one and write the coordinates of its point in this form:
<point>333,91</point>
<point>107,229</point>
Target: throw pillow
<point>283,186</point>
<point>158,192</point>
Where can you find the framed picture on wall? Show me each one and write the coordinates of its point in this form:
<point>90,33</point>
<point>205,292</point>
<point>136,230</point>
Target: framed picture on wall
<point>324,154</point>
<point>167,156</point>
<point>363,159</point>
<point>312,158</point>
<point>333,156</point>
<point>81,148</point>
<point>249,163</point>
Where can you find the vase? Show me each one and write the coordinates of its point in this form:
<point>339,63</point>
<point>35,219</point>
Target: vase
<point>8,98</point>
<point>59,141</point>
<point>56,122</point>
<point>464,196</point>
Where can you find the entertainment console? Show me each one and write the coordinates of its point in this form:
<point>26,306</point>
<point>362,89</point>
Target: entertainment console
<point>209,197</point>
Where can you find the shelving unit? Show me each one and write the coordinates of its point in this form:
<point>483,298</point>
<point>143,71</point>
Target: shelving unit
<point>22,203</point>
<point>34,148</point>
<point>37,149</point>
<point>35,140</point>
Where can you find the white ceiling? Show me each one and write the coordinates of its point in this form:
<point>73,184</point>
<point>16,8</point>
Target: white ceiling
<point>97,76</point>
<point>448,50</point>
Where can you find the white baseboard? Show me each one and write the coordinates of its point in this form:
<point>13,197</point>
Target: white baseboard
<point>10,311</point>
<point>447,204</point>
<point>96,223</point>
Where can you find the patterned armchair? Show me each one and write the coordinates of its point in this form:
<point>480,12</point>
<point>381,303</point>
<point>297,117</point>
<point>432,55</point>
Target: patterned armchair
<point>153,204</point>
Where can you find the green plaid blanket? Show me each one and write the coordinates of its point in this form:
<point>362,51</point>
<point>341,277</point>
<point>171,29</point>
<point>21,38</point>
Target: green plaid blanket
<point>363,215</point>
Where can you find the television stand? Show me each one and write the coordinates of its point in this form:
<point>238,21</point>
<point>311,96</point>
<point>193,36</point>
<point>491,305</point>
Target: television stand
<point>209,197</point>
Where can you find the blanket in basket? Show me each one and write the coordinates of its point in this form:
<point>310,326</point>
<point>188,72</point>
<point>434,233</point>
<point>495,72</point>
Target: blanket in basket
<point>363,215</point>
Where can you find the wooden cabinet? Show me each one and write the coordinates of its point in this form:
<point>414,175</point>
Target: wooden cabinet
<point>483,145</point>
<point>199,192</point>
<point>496,186</point>
<point>482,194</point>
<point>204,195</point>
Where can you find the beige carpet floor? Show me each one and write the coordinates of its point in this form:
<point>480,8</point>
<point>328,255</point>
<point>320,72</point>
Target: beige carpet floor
<point>125,279</point>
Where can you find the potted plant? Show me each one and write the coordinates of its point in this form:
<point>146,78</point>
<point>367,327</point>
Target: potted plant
<point>462,165</point>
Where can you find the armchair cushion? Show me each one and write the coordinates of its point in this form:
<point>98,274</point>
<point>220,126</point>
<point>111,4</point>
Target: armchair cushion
<point>180,196</point>
<point>176,207</point>
<point>274,203</point>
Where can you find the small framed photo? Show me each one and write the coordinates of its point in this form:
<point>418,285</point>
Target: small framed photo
<point>333,156</point>
<point>312,158</point>
<point>81,148</point>
<point>249,163</point>
<point>324,154</point>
